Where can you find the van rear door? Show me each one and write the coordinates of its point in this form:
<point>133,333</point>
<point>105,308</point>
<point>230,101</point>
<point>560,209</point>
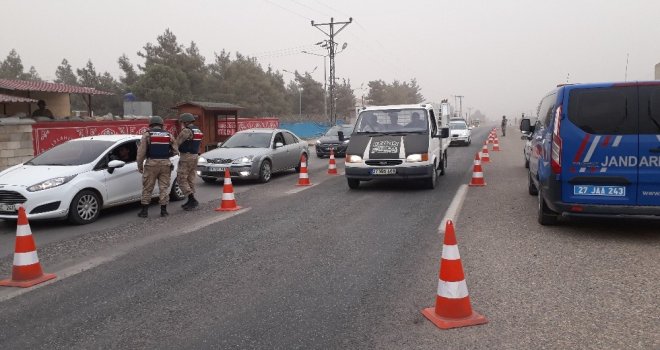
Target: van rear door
<point>649,144</point>
<point>600,145</point>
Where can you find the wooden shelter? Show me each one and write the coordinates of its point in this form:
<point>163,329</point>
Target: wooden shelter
<point>8,99</point>
<point>217,120</point>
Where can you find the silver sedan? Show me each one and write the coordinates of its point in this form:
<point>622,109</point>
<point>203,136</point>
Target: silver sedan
<point>253,154</point>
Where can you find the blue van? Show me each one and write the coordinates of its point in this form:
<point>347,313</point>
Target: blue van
<point>595,151</point>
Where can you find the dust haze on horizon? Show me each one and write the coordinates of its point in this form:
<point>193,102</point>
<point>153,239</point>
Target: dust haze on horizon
<point>502,56</point>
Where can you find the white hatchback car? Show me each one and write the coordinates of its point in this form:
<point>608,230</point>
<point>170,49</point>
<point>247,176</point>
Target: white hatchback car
<point>77,179</point>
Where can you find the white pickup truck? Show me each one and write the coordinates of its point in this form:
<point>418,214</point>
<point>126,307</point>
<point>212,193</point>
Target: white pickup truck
<point>397,142</point>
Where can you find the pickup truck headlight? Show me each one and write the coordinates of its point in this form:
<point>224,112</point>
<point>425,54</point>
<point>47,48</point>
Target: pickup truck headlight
<point>50,183</point>
<point>413,158</point>
<point>353,159</point>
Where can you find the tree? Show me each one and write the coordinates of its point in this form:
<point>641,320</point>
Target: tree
<point>381,93</point>
<point>345,99</point>
<point>102,104</point>
<point>12,68</point>
<point>130,76</point>
<point>65,75</point>
<point>164,86</point>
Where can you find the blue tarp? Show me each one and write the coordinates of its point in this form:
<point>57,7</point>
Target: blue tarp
<point>306,130</point>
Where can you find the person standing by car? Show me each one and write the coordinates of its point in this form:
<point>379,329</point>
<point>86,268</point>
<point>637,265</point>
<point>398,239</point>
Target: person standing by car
<point>188,142</point>
<point>156,146</point>
<point>503,125</point>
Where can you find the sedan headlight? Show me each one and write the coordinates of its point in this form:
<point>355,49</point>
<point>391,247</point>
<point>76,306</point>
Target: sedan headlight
<point>318,142</point>
<point>417,157</point>
<point>50,183</point>
<point>202,160</point>
<point>346,142</point>
<point>353,159</point>
<point>243,160</point>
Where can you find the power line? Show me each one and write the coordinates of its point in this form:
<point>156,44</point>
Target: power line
<point>287,10</point>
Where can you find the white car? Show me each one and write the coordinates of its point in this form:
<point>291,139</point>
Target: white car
<point>459,132</point>
<point>77,179</point>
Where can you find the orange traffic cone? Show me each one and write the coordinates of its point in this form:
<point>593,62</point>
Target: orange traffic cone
<point>26,271</point>
<point>452,302</point>
<point>228,202</point>
<point>485,158</point>
<point>496,144</point>
<point>332,166</point>
<point>477,173</point>
<point>303,179</point>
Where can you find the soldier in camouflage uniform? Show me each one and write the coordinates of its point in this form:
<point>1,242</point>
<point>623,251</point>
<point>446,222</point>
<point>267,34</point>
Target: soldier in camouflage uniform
<point>156,146</point>
<point>188,142</point>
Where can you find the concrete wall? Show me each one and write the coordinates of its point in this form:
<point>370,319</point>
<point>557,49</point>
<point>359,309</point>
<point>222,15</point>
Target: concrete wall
<point>15,143</point>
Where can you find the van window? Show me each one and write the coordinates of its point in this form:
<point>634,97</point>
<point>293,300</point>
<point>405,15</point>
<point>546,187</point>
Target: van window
<point>649,110</point>
<point>546,108</point>
<point>611,111</point>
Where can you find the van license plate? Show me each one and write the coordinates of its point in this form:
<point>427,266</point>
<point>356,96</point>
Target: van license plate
<point>7,207</point>
<point>383,171</point>
<point>590,190</point>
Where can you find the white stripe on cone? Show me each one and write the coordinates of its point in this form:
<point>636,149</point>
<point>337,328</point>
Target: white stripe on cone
<point>304,176</point>
<point>450,252</point>
<point>23,230</point>
<point>227,196</point>
<point>478,175</point>
<point>303,164</point>
<point>227,181</point>
<point>452,290</point>
<point>25,259</point>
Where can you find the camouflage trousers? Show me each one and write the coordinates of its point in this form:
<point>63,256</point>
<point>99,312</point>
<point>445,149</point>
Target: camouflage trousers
<point>156,170</point>
<point>186,173</point>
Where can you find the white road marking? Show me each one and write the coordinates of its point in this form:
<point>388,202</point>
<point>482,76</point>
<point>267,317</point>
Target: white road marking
<point>454,208</point>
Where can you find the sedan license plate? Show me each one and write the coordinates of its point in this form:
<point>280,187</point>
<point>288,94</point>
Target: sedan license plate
<point>7,207</point>
<point>216,169</point>
<point>383,171</point>
<point>591,190</point>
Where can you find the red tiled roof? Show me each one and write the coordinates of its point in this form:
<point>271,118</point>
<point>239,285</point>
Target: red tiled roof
<point>42,86</point>
<point>7,98</point>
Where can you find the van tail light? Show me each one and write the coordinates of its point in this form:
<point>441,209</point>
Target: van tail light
<point>555,162</point>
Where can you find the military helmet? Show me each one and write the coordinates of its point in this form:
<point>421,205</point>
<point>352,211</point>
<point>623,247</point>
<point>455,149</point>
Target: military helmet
<point>186,118</point>
<point>156,120</point>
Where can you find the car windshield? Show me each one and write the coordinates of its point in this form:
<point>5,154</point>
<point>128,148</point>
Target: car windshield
<point>347,129</point>
<point>393,121</point>
<point>458,125</point>
<point>76,152</point>
<point>248,140</point>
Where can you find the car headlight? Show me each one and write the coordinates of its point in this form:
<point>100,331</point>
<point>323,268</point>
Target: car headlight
<point>318,142</point>
<point>202,160</point>
<point>346,141</point>
<point>50,183</point>
<point>417,157</point>
<point>353,159</point>
<point>243,160</point>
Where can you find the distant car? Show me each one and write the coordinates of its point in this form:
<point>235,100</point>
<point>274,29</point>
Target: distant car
<point>527,148</point>
<point>459,132</point>
<point>331,141</point>
<point>77,179</point>
<point>253,154</point>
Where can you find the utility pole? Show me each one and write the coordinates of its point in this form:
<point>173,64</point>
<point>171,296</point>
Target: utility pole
<point>331,33</point>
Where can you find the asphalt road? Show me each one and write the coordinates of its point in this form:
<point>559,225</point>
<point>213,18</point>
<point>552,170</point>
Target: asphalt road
<point>328,267</point>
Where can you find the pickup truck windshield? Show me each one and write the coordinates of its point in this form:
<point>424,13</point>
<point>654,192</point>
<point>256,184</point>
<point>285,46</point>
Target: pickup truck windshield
<point>393,121</point>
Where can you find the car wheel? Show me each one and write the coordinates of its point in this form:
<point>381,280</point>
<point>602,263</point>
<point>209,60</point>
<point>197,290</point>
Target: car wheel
<point>209,180</point>
<point>443,165</point>
<point>546,217</point>
<point>265,171</point>
<point>176,193</point>
<point>353,183</point>
<point>431,181</point>
<point>304,156</point>
<point>531,188</point>
<point>84,208</point>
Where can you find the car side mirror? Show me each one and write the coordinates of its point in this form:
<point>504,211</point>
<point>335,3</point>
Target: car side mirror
<point>115,164</point>
<point>444,133</point>
<point>219,144</point>
<point>340,134</point>
<point>526,125</point>
<point>279,144</point>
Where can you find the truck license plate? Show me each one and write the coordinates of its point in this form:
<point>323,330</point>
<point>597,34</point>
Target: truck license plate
<point>383,171</point>
<point>591,190</point>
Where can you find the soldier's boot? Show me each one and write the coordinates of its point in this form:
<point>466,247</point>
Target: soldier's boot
<point>144,212</point>
<point>187,203</point>
<point>163,210</point>
<point>192,202</point>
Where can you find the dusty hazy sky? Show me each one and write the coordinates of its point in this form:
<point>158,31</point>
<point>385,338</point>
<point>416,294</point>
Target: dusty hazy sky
<point>502,55</point>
